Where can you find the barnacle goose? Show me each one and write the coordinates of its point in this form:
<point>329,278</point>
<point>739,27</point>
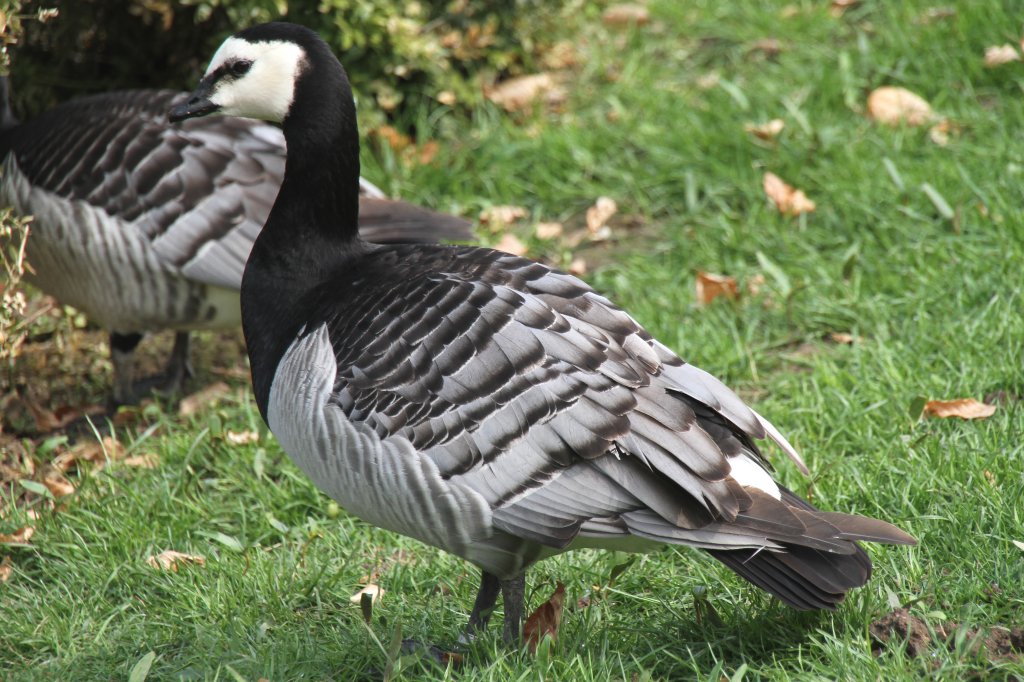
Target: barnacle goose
<point>485,403</point>
<point>146,226</point>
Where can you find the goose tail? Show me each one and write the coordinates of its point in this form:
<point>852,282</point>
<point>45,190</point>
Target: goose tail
<point>807,578</point>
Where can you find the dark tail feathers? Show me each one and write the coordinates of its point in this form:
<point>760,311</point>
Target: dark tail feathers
<point>807,578</point>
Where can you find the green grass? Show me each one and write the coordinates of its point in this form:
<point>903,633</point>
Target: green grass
<point>937,305</point>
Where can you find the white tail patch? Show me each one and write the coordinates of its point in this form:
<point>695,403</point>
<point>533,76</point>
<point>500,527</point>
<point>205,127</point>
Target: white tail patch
<point>749,474</point>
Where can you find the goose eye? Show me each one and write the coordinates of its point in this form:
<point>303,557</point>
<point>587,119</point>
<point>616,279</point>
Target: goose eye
<point>240,68</point>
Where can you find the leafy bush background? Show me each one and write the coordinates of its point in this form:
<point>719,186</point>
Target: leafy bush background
<point>398,53</point>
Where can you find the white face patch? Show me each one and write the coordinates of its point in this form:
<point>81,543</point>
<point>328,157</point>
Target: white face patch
<point>748,473</point>
<point>266,91</point>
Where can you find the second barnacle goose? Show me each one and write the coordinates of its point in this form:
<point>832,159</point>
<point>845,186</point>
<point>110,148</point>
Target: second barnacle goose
<point>145,226</point>
<point>485,403</point>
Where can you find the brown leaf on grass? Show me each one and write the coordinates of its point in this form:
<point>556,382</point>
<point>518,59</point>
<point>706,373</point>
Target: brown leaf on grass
<point>427,151</point>
<point>600,213</point>
<point>242,437</point>
<point>941,132</point>
<point>202,399</point>
<point>839,7</point>
<point>789,200</point>
<point>754,284</point>
<point>626,15</point>
<point>47,420</point>
<point>58,486</point>
<point>510,243</point>
<point>578,267</point>
<point>93,451</point>
<point>561,55</point>
<point>769,47</point>
<point>148,460</point>
<point>842,338</point>
<point>766,131</point>
<point>502,215</point>
<point>964,408</point>
<point>997,55</point>
<point>390,135</point>
<point>548,230</point>
<point>169,560</point>
<point>708,80</point>
<point>6,569</point>
<point>893,106</point>
<point>935,14</point>
<point>545,620</point>
<point>711,286</point>
<point>374,591</point>
<point>18,537</point>
<point>516,94</point>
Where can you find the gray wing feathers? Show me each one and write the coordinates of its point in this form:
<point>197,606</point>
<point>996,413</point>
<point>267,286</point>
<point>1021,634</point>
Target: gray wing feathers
<point>385,481</point>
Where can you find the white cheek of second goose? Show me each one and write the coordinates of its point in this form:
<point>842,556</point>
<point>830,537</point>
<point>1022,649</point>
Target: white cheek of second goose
<point>484,403</point>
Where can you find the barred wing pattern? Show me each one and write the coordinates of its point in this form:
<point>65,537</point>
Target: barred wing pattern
<point>147,225</point>
<point>497,380</point>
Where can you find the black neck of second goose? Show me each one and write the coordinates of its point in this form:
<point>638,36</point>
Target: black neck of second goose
<point>319,196</point>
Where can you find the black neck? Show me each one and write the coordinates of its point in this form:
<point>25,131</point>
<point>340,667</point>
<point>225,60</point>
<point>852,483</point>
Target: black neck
<point>313,229</point>
<point>320,192</point>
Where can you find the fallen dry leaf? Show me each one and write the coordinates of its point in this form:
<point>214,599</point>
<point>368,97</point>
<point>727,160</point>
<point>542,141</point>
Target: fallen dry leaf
<point>58,486</point>
<point>964,408</point>
<point>510,243</point>
<point>842,338</point>
<point>626,15</point>
<point>148,460</point>
<point>374,591</point>
<point>18,537</point>
<point>754,284</point>
<point>789,200</point>
<point>893,106</point>
<point>502,215</point>
<point>202,399</point>
<point>711,286</point>
<point>561,55</point>
<point>169,560</point>
<point>997,55</point>
<point>839,7</point>
<point>242,437</point>
<point>600,213</point>
<point>766,131</point>
<point>941,131</point>
<point>427,151</point>
<point>548,230</point>
<point>708,80</point>
<point>545,620</point>
<point>6,569</point>
<point>769,47</point>
<point>516,94</point>
<point>93,451</point>
<point>935,14</point>
<point>578,267</point>
<point>394,138</point>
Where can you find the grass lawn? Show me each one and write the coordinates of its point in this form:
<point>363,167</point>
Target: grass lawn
<point>930,284</point>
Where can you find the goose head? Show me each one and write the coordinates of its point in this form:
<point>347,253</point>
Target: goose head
<point>255,74</point>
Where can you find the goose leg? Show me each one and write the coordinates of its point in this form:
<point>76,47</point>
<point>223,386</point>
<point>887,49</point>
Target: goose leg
<point>512,594</point>
<point>179,368</point>
<point>483,607</point>
<point>122,357</point>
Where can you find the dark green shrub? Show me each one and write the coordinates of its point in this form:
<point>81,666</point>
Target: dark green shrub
<point>399,53</point>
